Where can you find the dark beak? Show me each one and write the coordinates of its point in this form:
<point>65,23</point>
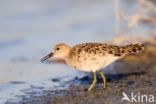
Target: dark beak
<point>46,57</point>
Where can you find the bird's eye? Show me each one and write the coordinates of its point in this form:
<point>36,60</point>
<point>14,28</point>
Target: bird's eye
<point>57,48</point>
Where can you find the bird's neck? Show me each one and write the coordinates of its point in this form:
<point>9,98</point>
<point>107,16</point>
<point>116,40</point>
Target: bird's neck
<point>67,54</point>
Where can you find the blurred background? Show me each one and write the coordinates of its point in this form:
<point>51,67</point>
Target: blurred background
<point>29,29</point>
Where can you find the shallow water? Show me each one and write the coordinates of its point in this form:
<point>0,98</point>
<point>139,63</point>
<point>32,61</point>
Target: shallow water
<point>30,29</point>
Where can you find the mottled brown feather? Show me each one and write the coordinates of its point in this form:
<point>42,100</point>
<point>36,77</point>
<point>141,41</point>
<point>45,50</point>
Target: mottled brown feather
<point>102,49</point>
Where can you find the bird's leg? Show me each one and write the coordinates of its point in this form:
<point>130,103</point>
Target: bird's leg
<point>104,79</point>
<point>94,82</point>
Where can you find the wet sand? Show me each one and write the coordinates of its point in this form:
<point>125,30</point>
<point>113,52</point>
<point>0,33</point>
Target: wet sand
<point>135,73</point>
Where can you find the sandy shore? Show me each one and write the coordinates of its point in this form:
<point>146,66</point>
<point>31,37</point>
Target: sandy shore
<point>137,74</point>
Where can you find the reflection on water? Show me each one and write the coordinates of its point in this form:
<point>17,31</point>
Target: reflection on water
<point>30,29</point>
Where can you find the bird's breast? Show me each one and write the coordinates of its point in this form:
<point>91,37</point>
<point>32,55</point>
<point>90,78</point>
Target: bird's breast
<point>90,62</point>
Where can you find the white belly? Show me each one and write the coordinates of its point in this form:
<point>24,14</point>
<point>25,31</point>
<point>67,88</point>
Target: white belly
<point>93,64</point>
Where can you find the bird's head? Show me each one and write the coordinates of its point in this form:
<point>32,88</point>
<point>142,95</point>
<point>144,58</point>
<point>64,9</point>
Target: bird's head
<point>60,50</point>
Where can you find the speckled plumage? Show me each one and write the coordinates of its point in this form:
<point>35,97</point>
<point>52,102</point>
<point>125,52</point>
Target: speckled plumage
<point>92,57</point>
<point>95,56</point>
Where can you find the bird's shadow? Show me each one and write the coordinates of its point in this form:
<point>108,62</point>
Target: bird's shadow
<point>109,77</point>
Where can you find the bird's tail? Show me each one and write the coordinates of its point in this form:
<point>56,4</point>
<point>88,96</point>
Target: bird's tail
<point>134,48</point>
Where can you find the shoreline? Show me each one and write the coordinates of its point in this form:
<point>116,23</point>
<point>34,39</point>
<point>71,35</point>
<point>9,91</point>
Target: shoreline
<point>137,74</point>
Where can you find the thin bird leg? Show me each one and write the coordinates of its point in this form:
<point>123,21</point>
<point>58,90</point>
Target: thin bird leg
<point>104,79</point>
<point>94,82</point>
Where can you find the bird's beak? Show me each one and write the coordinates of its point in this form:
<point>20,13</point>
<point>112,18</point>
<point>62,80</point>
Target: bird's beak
<point>47,56</point>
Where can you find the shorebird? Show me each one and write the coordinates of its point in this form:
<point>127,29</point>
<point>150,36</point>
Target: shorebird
<point>92,57</point>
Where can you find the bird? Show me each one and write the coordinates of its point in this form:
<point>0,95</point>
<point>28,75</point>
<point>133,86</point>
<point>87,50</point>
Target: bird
<point>92,57</point>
